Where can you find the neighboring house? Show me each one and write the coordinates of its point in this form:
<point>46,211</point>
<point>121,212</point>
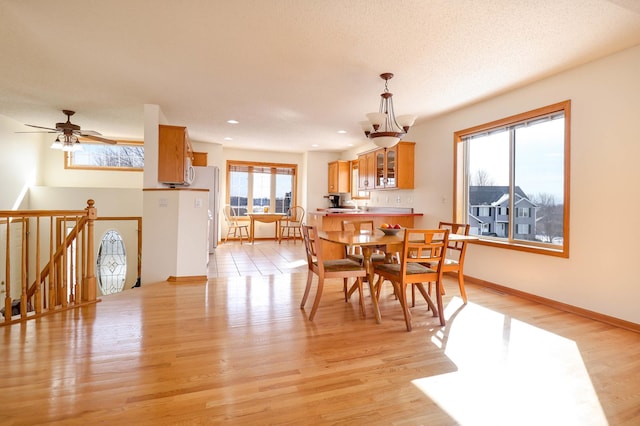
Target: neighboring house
<point>489,212</point>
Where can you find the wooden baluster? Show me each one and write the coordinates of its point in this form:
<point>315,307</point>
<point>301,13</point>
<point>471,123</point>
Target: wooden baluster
<point>37,296</point>
<point>23,268</point>
<point>52,267</point>
<point>7,295</point>
<point>89,285</point>
<point>78,263</point>
<point>64,283</point>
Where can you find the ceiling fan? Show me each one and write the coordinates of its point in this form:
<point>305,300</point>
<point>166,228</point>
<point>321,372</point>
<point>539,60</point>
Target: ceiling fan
<point>69,132</point>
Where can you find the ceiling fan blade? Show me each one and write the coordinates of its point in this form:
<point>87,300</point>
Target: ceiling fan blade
<point>90,132</point>
<point>40,127</point>
<point>98,138</point>
<point>50,131</point>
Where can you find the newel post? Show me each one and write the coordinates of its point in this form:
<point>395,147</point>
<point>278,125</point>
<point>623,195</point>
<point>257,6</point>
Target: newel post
<point>89,284</point>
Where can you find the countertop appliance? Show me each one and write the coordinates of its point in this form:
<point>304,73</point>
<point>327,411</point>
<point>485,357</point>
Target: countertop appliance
<point>334,199</point>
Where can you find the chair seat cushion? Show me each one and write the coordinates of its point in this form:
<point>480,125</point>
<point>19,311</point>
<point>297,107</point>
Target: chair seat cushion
<point>338,265</point>
<point>375,258</point>
<point>412,268</point>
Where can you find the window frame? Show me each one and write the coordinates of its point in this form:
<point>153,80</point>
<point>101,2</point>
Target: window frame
<point>68,157</point>
<point>260,165</point>
<point>460,186</point>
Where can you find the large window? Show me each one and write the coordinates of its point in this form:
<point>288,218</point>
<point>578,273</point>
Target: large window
<point>512,180</point>
<point>123,156</point>
<point>253,186</point>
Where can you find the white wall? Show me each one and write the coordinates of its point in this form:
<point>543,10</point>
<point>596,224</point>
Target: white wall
<point>604,173</point>
<point>19,163</point>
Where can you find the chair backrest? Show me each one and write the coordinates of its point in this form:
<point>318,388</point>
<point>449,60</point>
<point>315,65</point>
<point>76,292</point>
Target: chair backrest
<point>456,246</point>
<point>426,247</point>
<point>295,214</point>
<point>312,245</point>
<point>357,225</point>
<point>230,215</point>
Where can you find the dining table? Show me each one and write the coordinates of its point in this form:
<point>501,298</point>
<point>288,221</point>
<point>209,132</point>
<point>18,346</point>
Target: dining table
<point>264,217</point>
<point>369,241</point>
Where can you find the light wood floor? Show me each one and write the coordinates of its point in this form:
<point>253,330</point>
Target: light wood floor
<point>239,350</point>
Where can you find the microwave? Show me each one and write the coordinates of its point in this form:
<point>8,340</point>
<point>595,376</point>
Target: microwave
<point>189,172</point>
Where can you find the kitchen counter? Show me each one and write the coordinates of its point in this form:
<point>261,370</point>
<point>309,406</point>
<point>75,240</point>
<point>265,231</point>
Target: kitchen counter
<point>335,212</point>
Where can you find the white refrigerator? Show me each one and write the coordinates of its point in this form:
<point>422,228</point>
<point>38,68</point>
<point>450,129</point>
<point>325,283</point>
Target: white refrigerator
<point>209,178</point>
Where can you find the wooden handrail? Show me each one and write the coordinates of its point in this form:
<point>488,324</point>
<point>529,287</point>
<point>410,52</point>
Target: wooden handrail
<point>48,292</point>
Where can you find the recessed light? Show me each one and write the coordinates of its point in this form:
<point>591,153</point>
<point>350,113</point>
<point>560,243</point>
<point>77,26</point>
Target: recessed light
<point>315,145</point>
<point>342,131</point>
<point>232,121</point>
<point>228,138</point>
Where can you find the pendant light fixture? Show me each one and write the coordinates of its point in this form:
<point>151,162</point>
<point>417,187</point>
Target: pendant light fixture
<point>383,128</point>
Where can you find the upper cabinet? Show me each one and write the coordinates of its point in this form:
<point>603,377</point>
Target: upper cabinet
<point>175,154</point>
<point>339,177</point>
<point>366,171</point>
<point>388,168</point>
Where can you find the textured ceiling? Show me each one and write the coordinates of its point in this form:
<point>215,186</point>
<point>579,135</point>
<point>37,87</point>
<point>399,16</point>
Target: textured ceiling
<point>292,72</point>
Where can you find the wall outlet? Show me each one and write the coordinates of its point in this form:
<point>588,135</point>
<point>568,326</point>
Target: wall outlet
<point>198,203</point>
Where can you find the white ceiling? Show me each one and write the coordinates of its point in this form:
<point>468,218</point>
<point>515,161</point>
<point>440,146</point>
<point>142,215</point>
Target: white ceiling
<point>292,72</point>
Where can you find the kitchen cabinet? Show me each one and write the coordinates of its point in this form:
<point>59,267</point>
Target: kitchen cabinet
<point>200,159</point>
<point>339,177</point>
<point>388,168</point>
<point>175,154</point>
<point>366,171</point>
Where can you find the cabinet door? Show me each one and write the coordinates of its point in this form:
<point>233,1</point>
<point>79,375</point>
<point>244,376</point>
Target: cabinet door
<point>172,144</point>
<point>391,167</point>
<point>362,172</point>
<point>366,171</point>
<point>333,177</point>
<point>380,169</point>
<point>344,174</point>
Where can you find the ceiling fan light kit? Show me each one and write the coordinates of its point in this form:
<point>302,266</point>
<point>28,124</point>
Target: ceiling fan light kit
<point>69,143</point>
<point>383,128</point>
<point>67,139</point>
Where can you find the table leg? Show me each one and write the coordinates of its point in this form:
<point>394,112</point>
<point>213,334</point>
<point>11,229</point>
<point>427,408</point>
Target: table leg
<point>367,251</point>
<point>252,227</point>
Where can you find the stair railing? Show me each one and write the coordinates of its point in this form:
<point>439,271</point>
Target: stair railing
<point>61,238</point>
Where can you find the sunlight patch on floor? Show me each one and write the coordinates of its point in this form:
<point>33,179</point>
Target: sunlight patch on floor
<point>296,264</point>
<point>510,372</point>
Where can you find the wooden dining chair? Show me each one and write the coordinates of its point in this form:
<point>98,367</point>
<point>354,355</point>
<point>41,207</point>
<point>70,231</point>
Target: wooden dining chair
<point>355,252</point>
<point>292,222</point>
<point>421,247</point>
<point>454,261</point>
<point>231,218</point>
<point>339,268</point>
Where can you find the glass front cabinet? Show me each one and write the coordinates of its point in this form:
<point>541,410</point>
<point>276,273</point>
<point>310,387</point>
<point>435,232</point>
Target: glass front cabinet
<point>393,167</point>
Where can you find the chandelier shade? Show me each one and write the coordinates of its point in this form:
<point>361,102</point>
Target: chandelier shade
<point>382,127</point>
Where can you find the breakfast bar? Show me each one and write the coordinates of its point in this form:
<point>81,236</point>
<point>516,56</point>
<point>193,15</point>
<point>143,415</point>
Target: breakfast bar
<point>331,220</point>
